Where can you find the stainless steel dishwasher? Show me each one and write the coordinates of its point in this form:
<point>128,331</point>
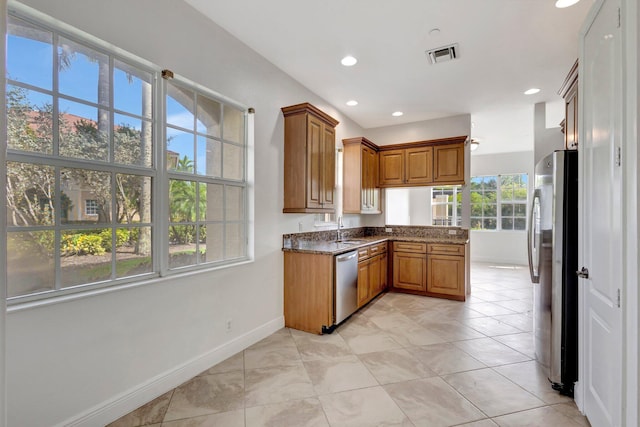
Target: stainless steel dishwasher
<point>346,292</point>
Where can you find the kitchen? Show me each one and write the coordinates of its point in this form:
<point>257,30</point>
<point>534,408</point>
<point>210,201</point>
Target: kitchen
<point>251,295</point>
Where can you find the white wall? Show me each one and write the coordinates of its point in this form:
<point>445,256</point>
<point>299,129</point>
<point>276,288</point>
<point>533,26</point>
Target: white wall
<point>92,359</point>
<point>505,247</point>
<point>546,139</point>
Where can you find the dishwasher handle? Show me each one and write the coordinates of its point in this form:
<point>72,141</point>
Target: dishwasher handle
<point>346,257</point>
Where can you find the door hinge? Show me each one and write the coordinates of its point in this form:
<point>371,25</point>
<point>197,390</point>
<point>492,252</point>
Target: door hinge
<point>618,298</point>
<point>619,18</point>
<point>618,156</point>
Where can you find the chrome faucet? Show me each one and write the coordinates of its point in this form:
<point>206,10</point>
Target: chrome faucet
<point>338,232</point>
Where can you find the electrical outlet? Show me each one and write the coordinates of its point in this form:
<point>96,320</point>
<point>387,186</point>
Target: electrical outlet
<point>453,231</point>
<point>388,230</point>
<point>228,325</point>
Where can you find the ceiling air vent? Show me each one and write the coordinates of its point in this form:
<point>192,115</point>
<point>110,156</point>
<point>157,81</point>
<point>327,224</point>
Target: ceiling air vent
<point>443,54</point>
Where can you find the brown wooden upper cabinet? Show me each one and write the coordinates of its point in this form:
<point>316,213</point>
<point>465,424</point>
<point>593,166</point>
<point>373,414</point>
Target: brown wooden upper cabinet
<point>360,176</point>
<point>448,164</point>
<point>309,160</point>
<point>434,162</point>
<point>569,91</point>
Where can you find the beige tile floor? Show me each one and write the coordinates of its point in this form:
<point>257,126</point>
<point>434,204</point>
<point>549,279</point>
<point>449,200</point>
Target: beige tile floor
<point>402,360</point>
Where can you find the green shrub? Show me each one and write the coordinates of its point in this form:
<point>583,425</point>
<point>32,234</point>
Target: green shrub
<point>82,244</point>
<point>122,238</point>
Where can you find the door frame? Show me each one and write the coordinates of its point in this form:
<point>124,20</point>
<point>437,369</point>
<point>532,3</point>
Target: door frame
<point>630,21</point>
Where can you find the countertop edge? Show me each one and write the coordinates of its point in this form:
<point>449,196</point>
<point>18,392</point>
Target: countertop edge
<point>315,247</point>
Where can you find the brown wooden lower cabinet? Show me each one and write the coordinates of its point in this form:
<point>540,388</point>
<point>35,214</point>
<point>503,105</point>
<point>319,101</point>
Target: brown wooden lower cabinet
<point>410,271</point>
<point>437,270</point>
<point>446,276</point>
<point>372,272</point>
<point>308,291</point>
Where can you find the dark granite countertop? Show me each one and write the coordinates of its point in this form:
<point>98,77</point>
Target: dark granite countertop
<point>328,247</point>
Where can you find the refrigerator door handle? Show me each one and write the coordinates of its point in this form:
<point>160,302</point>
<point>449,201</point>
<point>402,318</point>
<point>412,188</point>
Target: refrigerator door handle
<point>531,240</point>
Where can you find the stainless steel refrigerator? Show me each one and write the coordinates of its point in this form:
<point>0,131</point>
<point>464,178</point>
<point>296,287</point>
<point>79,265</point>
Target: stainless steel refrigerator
<point>553,261</point>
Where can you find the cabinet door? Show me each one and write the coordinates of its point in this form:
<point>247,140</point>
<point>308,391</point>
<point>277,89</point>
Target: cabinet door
<point>391,167</point>
<point>369,179</point>
<point>315,162</point>
<point>374,276</point>
<point>419,165</point>
<point>446,275</point>
<point>328,167</point>
<point>449,164</point>
<point>384,269</point>
<point>409,271</point>
<point>363,282</point>
<point>571,119</point>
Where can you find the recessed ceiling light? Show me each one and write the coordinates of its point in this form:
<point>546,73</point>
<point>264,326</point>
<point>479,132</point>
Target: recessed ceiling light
<point>397,114</point>
<point>561,4</point>
<point>348,61</point>
<point>531,91</point>
<point>352,103</point>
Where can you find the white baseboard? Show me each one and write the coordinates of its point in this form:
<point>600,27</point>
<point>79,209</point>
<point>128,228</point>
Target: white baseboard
<point>114,408</point>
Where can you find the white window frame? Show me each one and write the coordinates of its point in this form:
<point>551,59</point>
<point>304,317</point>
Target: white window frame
<point>499,203</point>
<point>91,207</point>
<point>456,220</point>
<point>158,172</point>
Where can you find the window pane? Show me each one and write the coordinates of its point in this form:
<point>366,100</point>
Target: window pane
<point>213,207</point>
<point>507,223</point>
<point>476,223</point>
<point>476,183</point>
<point>506,193</point>
<point>182,200</point>
<point>235,244</point>
<point>490,197</point>
<point>233,158</point>
<point>182,250</point>
<point>202,243</point>
<point>133,198</point>
<point>520,209</point>
<point>83,72</point>
<point>84,256</point>
<point>489,223</point>
<point>208,116</point>
<point>36,68</point>
<point>30,265</point>
<point>181,146</point>
<point>180,107</point>
<point>209,158</point>
<point>78,185</point>
<point>520,224</point>
<point>133,251</point>
<point>233,125</point>
<point>234,203</point>
<point>490,182</point>
<point>215,242</point>
<point>29,120</point>
<point>132,139</point>
<point>84,131</point>
<point>490,210</point>
<point>507,209</point>
<point>30,194</point>
<point>132,90</point>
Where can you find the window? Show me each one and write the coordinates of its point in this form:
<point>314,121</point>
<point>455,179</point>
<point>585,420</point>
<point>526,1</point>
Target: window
<point>83,170</point>
<point>205,146</point>
<point>499,202</point>
<point>446,206</point>
<point>91,207</point>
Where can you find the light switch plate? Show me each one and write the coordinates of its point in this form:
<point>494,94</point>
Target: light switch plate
<point>388,230</point>
<point>453,232</point>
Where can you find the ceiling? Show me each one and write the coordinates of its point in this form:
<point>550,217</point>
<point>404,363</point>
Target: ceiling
<point>505,47</point>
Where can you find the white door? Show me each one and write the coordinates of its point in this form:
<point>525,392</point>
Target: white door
<point>601,215</point>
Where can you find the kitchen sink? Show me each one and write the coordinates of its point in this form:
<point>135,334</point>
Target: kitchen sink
<point>351,242</point>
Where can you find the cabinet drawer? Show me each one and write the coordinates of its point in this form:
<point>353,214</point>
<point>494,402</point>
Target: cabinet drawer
<point>363,253</point>
<point>434,248</point>
<point>377,249</point>
<point>410,247</point>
